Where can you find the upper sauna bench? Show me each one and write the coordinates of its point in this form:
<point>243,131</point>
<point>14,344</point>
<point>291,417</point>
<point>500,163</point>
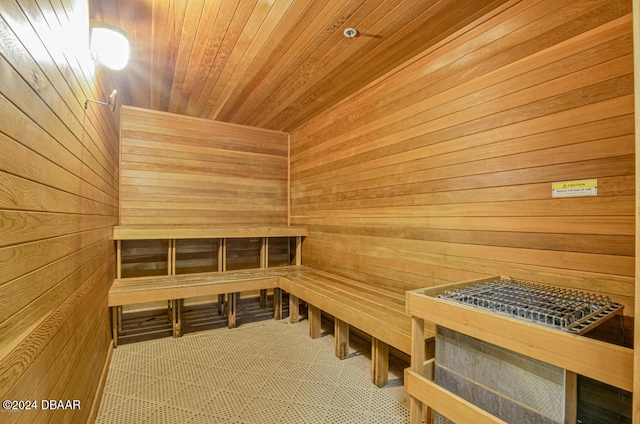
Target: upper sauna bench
<point>199,232</point>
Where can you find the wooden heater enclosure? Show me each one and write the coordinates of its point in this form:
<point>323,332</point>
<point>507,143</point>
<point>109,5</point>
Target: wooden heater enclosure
<point>575,354</point>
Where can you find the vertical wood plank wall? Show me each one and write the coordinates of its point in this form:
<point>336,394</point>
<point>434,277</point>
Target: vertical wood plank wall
<point>58,205</point>
<point>180,170</point>
<point>442,170</point>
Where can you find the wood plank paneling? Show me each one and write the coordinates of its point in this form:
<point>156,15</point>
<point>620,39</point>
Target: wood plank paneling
<point>58,205</point>
<point>144,257</point>
<point>441,171</point>
<point>272,64</point>
<point>179,170</point>
<point>199,255</point>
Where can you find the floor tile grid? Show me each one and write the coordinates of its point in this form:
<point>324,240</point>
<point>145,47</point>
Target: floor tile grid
<point>263,372</point>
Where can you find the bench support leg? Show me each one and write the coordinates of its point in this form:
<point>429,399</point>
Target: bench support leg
<point>119,319</point>
<point>114,325</point>
<point>297,260</point>
<point>263,299</point>
<point>416,408</point>
<point>180,303</point>
<point>177,317</point>
<point>315,319</point>
<point>277,304</point>
<point>342,338</point>
<point>294,309</point>
<point>231,309</point>
<point>220,304</point>
<point>169,309</point>
<point>379,362</point>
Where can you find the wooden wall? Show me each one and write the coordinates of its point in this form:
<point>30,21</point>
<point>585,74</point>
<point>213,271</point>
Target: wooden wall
<point>58,205</point>
<point>180,170</point>
<point>441,171</point>
<point>636,328</point>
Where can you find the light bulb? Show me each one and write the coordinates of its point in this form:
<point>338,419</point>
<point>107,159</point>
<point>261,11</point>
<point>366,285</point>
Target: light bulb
<point>110,48</point>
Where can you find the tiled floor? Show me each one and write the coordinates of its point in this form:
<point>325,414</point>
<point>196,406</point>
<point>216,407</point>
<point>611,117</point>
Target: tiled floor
<point>261,372</point>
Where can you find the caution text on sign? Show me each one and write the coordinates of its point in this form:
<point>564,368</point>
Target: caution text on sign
<point>574,188</point>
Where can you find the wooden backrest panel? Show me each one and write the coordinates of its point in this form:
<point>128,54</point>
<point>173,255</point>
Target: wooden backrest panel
<point>58,205</point>
<point>441,171</point>
<point>178,170</point>
<point>145,257</point>
<point>198,255</point>
<point>183,171</point>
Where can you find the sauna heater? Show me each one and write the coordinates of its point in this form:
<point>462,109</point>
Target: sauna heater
<point>511,386</point>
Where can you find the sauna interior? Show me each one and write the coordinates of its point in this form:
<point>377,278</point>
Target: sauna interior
<point>254,151</point>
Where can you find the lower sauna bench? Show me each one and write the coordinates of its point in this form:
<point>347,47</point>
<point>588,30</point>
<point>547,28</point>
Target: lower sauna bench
<point>373,310</point>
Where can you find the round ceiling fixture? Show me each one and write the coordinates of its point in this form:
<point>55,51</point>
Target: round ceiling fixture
<point>110,47</point>
<point>350,32</point>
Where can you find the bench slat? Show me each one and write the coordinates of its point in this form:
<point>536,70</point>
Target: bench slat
<point>361,285</point>
<point>129,291</point>
<point>200,232</point>
<point>388,311</point>
<point>366,294</point>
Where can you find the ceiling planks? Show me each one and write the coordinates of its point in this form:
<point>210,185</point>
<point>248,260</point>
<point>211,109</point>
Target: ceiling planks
<point>270,63</point>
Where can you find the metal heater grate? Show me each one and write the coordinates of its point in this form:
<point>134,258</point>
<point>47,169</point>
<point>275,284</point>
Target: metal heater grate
<point>568,310</point>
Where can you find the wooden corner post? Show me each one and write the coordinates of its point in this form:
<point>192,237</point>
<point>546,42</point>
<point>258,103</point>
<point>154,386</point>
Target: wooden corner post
<point>416,408</point>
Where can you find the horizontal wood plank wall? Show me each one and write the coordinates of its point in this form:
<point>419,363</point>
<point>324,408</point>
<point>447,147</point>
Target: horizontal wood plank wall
<point>441,171</point>
<point>144,257</point>
<point>178,170</point>
<point>198,255</point>
<point>58,206</point>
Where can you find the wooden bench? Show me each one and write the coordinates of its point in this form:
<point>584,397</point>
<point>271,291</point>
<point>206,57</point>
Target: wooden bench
<point>372,309</point>
<point>176,288</point>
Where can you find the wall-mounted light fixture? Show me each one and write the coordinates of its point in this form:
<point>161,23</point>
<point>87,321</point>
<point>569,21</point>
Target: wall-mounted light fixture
<point>109,47</point>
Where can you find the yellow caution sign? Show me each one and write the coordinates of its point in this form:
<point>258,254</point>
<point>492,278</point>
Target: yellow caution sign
<point>574,188</point>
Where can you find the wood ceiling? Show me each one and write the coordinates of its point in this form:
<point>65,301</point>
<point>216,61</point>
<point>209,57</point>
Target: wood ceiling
<point>270,63</point>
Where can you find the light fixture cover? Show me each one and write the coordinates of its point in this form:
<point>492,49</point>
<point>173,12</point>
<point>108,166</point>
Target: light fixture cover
<point>350,32</point>
<point>110,47</point>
